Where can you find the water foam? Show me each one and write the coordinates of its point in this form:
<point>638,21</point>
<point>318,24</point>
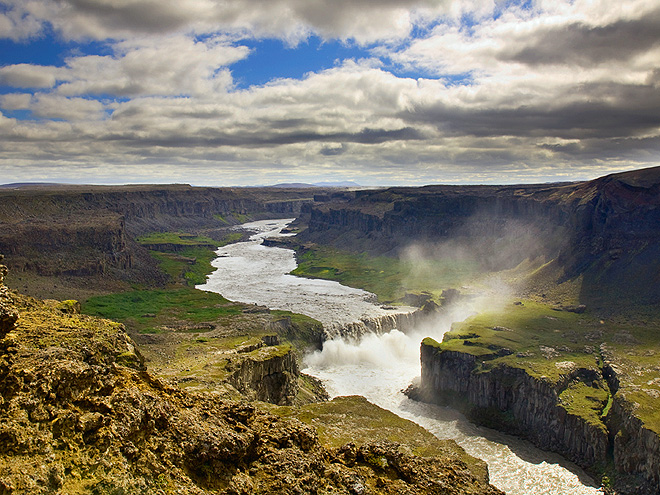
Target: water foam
<point>379,366</point>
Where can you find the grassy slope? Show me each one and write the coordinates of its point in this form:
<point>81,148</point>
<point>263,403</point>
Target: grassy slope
<point>388,278</point>
<point>633,342</point>
<point>354,419</point>
<point>147,310</point>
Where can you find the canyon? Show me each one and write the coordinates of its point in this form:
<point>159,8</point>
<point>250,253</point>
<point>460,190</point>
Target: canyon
<point>581,382</point>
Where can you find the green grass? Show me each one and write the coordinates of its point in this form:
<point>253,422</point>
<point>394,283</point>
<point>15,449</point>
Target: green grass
<point>587,402</point>
<point>190,262</point>
<point>388,278</point>
<point>355,419</point>
<point>135,307</point>
<point>177,238</point>
<point>542,335</point>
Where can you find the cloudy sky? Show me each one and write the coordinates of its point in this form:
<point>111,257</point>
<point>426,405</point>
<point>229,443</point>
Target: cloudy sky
<point>380,92</point>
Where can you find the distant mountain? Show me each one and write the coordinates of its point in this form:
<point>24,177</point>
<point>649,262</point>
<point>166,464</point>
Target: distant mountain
<point>19,185</point>
<point>346,183</point>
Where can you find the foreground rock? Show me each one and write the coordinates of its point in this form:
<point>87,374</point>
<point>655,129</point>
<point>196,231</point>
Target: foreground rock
<point>80,414</point>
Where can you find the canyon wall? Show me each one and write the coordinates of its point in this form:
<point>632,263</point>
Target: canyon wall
<point>90,230</point>
<point>516,402</point>
<point>606,230</point>
<point>512,400</point>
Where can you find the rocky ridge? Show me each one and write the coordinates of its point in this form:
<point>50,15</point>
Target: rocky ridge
<point>81,414</point>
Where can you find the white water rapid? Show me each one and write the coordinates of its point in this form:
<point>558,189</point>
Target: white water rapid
<point>380,366</point>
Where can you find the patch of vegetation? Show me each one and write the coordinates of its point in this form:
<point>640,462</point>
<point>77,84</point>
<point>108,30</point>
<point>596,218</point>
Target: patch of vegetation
<point>355,419</point>
<point>587,402</point>
<point>269,352</point>
<point>175,238</point>
<point>186,258</point>
<point>145,310</point>
<point>388,278</point>
<point>529,335</point>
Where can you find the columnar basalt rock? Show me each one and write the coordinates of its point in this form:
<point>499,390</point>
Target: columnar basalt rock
<point>267,372</point>
<point>512,400</point>
<point>8,313</point>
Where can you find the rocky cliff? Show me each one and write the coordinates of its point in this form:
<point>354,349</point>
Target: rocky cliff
<point>542,409</point>
<point>89,231</point>
<point>606,231</point>
<point>266,371</point>
<point>512,400</point>
<point>79,413</point>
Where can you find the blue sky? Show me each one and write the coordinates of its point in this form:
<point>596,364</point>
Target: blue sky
<point>390,92</point>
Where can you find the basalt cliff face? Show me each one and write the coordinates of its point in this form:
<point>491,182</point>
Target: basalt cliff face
<point>79,413</point>
<point>87,231</point>
<point>606,230</point>
<point>511,399</point>
<point>267,371</point>
<point>515,401</point>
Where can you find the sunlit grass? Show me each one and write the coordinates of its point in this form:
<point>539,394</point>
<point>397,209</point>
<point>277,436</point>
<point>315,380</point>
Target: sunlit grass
<point>389,278</point>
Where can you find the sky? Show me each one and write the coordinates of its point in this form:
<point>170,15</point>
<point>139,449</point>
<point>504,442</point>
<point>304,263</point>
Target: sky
<point>379,92</point>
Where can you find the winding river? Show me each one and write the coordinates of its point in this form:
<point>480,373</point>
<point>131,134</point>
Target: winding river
<point>380,366</point>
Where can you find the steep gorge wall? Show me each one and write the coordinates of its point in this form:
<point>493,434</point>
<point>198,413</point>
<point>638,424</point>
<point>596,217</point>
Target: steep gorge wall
<point>89,230</point>
<point>635,447</point>
<point>606,230</point>
<point>387,221</point>
<point>510,399</point>
<point>514,401</point>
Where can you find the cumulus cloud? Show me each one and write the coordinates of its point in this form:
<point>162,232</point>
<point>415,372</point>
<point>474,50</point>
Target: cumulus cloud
<point>162,65</point>
<point>28,76</point>
<point>69,109</point>
<point>551,89</point>
<point>15,101</point>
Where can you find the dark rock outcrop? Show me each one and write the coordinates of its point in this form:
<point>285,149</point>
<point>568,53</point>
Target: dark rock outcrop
<point>510,399</point>
<point>80,414</point>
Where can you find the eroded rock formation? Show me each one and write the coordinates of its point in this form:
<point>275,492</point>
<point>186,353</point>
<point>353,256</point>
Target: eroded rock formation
<point>80,414</point>
<point>510,399</point>
<point>8,313</point>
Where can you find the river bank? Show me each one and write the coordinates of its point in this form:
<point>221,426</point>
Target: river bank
<point>378,367</point>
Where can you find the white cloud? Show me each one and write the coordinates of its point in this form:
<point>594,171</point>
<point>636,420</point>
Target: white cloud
<point>160,65</point>
<point>69,109</point>
<point>16,24</point>
<point>15,101</point>
<point>28,76</point>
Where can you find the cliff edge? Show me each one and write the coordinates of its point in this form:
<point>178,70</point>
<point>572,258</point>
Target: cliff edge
<point>587,390</point>
<point>79,413</point>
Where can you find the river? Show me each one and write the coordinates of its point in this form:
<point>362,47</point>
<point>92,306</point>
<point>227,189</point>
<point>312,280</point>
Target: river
<point>378,367</point>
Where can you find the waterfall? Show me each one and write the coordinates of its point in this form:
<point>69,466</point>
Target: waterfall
<point>355,330</point>
<point>374,352</point>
